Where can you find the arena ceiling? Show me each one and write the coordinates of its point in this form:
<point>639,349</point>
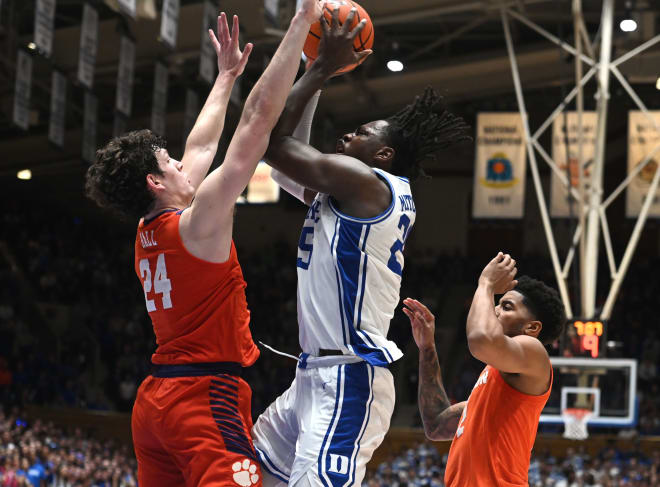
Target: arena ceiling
<point>456,46</point>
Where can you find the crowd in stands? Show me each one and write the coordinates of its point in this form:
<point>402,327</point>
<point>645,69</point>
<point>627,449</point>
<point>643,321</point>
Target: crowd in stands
<point>424,466</point>
<point>39,454</point>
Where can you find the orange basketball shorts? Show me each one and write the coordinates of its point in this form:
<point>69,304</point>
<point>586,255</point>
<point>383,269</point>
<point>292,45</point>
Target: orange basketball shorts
<point>194,431</point>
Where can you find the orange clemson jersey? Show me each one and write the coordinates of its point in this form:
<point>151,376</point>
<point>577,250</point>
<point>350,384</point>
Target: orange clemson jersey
<point>494,439</point>
<point>198,308</point>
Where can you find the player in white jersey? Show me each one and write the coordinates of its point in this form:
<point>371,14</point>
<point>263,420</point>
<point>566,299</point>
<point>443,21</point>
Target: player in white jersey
<point>324,429</point>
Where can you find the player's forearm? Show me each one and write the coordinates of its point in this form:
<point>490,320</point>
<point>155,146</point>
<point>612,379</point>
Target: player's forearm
<point>432,397</point>
<point>482,327</point>
<point>266,101</point>
<point>211,119</point>
<point>301,94</point>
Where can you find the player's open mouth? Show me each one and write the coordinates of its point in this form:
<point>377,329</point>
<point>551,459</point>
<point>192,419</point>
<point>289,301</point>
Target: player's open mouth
<point>340,147</point>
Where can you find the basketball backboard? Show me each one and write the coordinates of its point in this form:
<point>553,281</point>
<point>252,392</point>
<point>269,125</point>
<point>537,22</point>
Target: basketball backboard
<point>606,387</point>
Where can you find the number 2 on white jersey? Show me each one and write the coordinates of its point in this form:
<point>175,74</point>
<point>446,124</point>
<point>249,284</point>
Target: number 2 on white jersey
<point>161,284</point>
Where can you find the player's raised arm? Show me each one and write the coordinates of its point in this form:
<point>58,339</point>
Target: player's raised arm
<point>439,417</point>
<point>211,213</point>
<point>487,339</point>
<point>202,142</point>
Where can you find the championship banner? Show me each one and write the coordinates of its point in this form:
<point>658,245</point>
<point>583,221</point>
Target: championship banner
<point>57,108</point>
<point>207,58</point>
<point>169,23</point>
<point>22,90</point>
<point>643,139</point>
<point>43,26</point>
<point>125,72</point>
<point>191,112</point>
<point>89,127</point>
<point>160,99</point>
<point>128,7</point>
<point>499,174</point>
<point>565,130</point>
<point>89,34</point>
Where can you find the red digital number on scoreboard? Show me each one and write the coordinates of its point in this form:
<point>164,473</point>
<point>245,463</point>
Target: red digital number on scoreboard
<point>589,333</point>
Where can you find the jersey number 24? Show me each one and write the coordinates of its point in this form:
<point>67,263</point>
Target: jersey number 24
<point>161,284</point>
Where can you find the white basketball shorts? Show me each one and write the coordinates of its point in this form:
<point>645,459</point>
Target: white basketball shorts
<point>326,426</point>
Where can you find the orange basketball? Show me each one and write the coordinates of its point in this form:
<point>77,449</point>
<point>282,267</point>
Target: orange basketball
<point>363,41</point>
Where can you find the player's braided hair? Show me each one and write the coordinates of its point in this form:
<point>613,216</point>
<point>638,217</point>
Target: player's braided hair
<point>117,179</point>
<point>544,304</point>
<point>420,130</point>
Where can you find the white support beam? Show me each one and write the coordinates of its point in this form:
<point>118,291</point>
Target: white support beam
<point>632,175</point>
<point>590,277</point>
<point>630,248</point>
<point>571,252</point>
<point>560,108</point>
<point>561,282</point>
<point>555,169</point>
<point>552,38</point>
<point>642,47</point>
<point>608,242</point>
<point>640,104</point>
<point>578,24</point>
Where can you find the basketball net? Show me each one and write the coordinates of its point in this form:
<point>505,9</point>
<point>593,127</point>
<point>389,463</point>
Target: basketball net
<point>575,423</point>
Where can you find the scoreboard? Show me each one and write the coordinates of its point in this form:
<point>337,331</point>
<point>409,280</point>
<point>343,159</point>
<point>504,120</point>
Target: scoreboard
<point>586,337</point>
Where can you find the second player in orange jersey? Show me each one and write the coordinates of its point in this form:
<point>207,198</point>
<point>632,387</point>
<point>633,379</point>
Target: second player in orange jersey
<point>494,430</point>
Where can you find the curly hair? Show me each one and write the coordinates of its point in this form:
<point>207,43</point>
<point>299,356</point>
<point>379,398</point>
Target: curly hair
<point>117,179</point>
<point>420,130</point>
<point>544,304</point>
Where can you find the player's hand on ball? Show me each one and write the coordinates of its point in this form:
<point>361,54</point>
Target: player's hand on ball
<point>499,274</point>
<point>336,49</point>
<point>422,322</point>
<point>230,58</point>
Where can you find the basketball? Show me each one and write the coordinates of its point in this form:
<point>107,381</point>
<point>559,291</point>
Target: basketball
<point>363,41</point>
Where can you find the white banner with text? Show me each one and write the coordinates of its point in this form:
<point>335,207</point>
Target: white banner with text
<point>500,163</point>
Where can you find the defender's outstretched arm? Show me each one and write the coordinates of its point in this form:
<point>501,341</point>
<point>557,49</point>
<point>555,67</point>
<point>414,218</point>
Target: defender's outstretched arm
<point>439,417</point>
<point>210,216</point>
<point>202,142</point>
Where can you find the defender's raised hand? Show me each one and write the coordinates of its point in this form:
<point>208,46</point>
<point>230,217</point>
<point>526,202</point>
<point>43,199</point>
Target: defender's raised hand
<point>230,58</point>
<point>499,274</point>
<point>422,322</point>
<point>336,47</point>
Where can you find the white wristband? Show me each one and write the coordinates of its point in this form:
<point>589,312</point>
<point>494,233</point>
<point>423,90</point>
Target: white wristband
<point>288,184</point>
<point>302,133</point>
<point>304,127</point>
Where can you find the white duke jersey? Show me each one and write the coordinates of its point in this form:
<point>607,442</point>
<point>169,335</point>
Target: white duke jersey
<point>349,275</point>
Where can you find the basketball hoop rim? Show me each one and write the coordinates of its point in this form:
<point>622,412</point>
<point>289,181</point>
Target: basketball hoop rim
<point>577,413</point>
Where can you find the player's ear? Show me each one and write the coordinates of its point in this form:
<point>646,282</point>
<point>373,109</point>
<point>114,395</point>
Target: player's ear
<point>384,156</point>
<point>153,182</point>
<point>533,328</point>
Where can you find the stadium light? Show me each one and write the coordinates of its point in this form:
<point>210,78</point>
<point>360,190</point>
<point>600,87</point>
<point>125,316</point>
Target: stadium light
<point>628,25</point>
<point>395,65</point>
<point>32,46</point>
<point>24,174</point>
<point>657,83</point>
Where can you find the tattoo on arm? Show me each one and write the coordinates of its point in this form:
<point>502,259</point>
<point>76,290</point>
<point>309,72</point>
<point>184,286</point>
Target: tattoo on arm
<point>439,417</point>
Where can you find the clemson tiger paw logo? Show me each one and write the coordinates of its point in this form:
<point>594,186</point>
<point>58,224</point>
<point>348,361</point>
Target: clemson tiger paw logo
<point>245,473</point>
